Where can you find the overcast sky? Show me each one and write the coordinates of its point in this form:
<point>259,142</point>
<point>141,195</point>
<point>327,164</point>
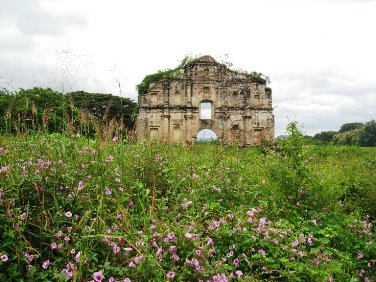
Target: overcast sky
<point>320,55</point>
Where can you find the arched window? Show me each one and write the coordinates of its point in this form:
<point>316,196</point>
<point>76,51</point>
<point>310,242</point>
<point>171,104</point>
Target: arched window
<point>206,135</point>
<point>205,110</point>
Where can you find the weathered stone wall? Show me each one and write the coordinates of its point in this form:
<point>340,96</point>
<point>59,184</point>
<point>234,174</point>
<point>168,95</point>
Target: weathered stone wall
<point>241,110</point>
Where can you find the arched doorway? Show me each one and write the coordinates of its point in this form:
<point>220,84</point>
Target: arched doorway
<point>205,135</point>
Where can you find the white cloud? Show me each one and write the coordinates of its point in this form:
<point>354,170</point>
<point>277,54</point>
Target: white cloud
<point>319,54</point>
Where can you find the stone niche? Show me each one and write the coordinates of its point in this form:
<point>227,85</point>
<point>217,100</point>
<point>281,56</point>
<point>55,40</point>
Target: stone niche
<point>205,94</point>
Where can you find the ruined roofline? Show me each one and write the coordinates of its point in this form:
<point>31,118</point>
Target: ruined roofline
<point>169,75</point>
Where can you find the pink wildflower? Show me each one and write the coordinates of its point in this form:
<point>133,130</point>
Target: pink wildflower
<point>30,257</point>
<point>68,214</point>
<point>261,252</point>
<point>77,257</point>
<point>170,275</point>
<point>4,258</point>
<point>239,273</point>
<point>209,241</point>
<point>98,276</point>
<point>80,185</point>
<point>46,264</point>
<point>360,255</point>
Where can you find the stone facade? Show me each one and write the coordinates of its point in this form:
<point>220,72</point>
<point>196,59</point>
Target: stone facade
<point>205,94</point>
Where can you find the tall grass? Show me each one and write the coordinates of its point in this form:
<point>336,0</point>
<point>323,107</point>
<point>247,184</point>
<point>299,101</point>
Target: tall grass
<point>77,208</point>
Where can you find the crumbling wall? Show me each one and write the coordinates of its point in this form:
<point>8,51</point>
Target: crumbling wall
<point>241,109</point>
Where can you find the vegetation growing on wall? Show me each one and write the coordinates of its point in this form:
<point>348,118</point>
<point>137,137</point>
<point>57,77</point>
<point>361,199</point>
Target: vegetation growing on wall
<point>169,74</point>
<point>165,74</point>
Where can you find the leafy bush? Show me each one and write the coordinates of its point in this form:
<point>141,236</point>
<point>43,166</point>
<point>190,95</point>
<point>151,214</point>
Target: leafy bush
<point>350,138</point>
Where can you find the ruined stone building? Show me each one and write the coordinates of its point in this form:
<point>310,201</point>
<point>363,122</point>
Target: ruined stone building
<point>205,96</point>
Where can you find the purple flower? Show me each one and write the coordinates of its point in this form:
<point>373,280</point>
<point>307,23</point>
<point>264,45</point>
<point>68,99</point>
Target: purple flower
<point>109,159</point>
<point>127,249</point>
<point>53,246</point>
<point>4,258</point>
<point>46,264</point>
<point>239,273</point>
<point>77,257</point>
<point>80,185</point>
<point>295,243</point>
<point>4,170</point>
<point>132,264</point>
<point>68,214</point>
<point>30,257</point>
<point>23,216</point>
<point>68,274</point>
<point>112,279</point>
<point>170,275</point>
<point>220,278</point>
<point>29,267</point>
<point>127,280</point>
<point>115,248</point>
<point>261,252</point>
<point>209,241</point>
<point>107,191</point>
<point>360,255</point>
<point>171,237</point>
<point>252,212</point>
<point>262,223</point>
<point>98,276</point>
<point>236,262</point>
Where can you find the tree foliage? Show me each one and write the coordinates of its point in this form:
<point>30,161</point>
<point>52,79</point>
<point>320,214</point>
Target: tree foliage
<point>367,136</point>
<point>105,106</point>
<point>350,126</point>
<point>350,137</point>
<point>43,109</point>
<point>324,136</point>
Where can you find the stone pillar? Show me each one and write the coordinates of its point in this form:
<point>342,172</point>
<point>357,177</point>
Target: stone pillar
<point>189,90</point>
<point>166,127</point>
<point>188,128</point>
<point>247,127</point>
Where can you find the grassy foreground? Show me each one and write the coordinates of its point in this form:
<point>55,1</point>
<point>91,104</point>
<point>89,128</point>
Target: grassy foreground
<point>82,210</point>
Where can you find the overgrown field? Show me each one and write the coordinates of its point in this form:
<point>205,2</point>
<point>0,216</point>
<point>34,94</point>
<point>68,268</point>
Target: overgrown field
<point>84,210</point>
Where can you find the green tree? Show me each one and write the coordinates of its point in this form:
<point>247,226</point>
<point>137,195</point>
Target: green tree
<point>350,138</point>
<point>324,136</point>
<point>367,136</point>
<point>105,106</point>
<point>350,126</point>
